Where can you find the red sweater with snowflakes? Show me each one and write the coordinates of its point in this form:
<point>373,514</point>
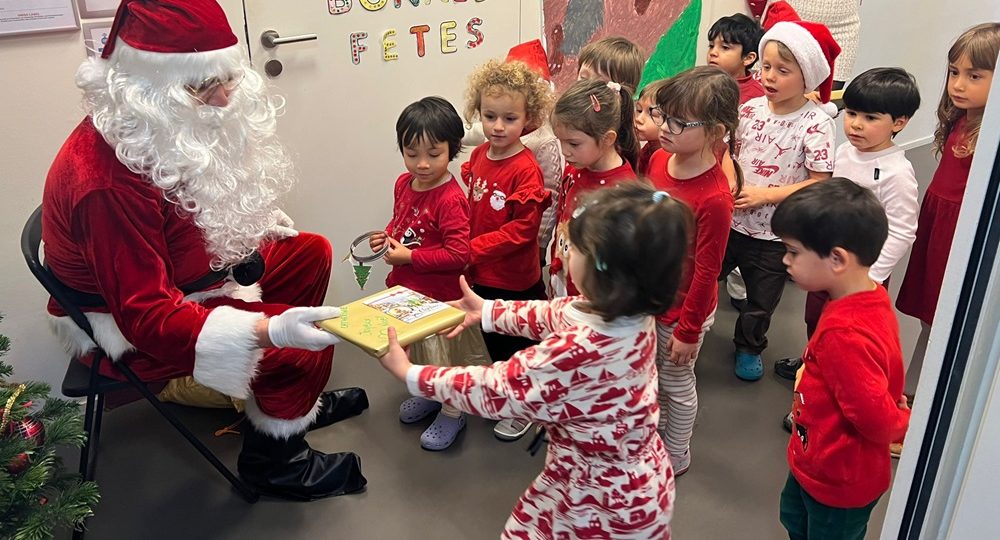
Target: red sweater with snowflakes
<point>435,225</point>
<point>575,183</point>
<point>711,202</point>
<point>844,404</point>
<point>506,198</point>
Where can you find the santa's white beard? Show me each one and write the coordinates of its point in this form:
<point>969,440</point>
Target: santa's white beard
<point>223,165</point>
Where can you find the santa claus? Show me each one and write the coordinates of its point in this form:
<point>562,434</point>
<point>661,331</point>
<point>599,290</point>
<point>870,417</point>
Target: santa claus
<point>159,214</point>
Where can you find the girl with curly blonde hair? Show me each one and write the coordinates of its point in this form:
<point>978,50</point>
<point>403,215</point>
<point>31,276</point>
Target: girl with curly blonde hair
<point>506,192</point>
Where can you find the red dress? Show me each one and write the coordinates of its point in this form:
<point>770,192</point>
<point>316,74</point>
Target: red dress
<point>918,294</point>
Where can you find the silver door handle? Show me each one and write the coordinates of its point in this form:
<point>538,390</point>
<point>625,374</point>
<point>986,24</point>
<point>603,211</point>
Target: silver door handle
<point>270,39</point>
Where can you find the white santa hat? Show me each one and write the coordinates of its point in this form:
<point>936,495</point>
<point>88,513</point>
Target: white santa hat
<point>170,41</point>
<point>814,49</point>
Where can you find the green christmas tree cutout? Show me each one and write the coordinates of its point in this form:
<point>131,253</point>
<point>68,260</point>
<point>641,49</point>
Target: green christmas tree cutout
<point>361,273</point>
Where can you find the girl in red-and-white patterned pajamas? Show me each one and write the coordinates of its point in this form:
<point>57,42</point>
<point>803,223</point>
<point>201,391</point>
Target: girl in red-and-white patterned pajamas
<point>591,381</point>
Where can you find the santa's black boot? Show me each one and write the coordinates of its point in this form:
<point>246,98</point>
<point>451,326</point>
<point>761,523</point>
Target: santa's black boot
<point>337,405</point>
<point>290,469</point>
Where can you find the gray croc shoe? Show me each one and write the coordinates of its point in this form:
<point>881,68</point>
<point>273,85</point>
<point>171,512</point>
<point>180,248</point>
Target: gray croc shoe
<point>416,409</point>
<point>442,432</point>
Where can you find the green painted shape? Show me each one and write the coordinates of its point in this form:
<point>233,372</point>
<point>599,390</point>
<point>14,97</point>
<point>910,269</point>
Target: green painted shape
<point>361,273</point>
<point>677,48</point>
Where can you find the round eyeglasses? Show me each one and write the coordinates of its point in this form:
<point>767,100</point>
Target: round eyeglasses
<point>203,91</point>
<point>675,126</point>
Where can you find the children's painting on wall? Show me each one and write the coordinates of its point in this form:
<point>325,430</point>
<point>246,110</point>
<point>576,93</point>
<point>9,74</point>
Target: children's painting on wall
<point>571,24</point>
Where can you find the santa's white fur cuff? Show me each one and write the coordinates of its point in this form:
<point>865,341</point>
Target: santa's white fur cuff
<point>227,353</point>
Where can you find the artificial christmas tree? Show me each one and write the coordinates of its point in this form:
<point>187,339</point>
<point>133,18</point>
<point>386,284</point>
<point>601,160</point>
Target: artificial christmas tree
<point>37,495</point>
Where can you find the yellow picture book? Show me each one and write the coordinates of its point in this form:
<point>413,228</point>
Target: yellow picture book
<point>366,322</point>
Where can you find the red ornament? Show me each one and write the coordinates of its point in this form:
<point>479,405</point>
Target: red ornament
<point>30,430</point>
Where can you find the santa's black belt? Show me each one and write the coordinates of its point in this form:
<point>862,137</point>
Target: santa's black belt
<point>246,273</point>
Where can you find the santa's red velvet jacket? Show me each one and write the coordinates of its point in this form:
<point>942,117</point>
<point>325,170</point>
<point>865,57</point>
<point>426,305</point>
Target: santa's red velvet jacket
<point>845,403</point>
<point>109,231</point>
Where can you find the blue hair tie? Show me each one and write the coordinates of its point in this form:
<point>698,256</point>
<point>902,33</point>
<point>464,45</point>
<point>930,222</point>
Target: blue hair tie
<point>600,265</point>
<point>658,196</point>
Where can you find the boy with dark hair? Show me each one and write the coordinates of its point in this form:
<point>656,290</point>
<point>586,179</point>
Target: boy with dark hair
<point>848,403</point>
<point>879,103</point>
<point>732,47</point>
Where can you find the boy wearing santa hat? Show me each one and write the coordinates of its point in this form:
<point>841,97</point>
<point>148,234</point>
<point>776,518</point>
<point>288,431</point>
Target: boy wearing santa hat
<point>159,215</point>
<point>784,142</point>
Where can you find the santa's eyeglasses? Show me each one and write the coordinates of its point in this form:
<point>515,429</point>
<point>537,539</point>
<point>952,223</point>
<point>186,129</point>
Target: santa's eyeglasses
<point>204,90</point>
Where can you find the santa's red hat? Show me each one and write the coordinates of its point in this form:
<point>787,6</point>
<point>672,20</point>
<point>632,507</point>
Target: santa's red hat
<point>814,49</point>
<point>533,54</point>
<point>171,40</point>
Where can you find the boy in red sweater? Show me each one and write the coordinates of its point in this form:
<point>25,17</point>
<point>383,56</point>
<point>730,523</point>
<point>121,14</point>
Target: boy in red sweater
<point>848,403</point>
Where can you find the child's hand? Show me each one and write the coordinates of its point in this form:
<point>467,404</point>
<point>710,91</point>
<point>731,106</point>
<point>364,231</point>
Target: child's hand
<point>814,97</point>
<point>471,303</point>
<point>682,354</point>
<point>398,254</point>
<point>751,197</point>
<point>902,404</point>
<point>376,241</point>
<point>395,360</point>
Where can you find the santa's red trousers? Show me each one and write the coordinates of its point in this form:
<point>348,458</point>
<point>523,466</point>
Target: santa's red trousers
<point>288,381</point>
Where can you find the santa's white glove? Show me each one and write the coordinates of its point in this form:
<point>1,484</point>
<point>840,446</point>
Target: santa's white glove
<point>295,329</point>
<point>284,227</point>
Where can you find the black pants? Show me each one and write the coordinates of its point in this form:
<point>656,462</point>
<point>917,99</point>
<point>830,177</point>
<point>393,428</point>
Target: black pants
<point>765,276</point>
<point>502,346</point>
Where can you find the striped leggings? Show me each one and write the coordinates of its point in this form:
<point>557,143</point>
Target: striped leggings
<point>677,396</point>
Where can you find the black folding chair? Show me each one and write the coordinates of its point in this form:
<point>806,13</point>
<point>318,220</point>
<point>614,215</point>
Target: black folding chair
<point>81,380</point>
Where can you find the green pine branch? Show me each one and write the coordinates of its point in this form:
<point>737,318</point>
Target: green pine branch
<point>44,497</point>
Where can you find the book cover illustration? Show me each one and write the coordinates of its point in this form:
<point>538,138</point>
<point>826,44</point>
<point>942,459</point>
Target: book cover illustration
<point>406,305</point>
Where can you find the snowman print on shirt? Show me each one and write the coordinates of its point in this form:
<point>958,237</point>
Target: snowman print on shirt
<point>498,200</point>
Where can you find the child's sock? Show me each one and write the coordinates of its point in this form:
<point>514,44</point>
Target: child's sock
<point>450,411</point>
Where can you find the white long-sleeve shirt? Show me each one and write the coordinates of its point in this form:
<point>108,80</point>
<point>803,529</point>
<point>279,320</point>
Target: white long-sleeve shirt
<point>890,176</point>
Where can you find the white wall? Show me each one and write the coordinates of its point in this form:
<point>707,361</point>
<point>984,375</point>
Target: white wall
<point>42,106</point>
<point>916,35</point>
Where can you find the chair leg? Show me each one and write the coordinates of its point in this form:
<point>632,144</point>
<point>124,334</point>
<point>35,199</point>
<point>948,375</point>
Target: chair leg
<point>95,446</point>
<point>88,429</point>
<point>248,493</point>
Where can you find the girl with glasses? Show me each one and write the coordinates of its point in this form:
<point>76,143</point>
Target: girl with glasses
<point>696,111</point>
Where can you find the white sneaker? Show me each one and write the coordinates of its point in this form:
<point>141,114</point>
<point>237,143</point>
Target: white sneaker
<point>681,464</point>
<point>511,429</point>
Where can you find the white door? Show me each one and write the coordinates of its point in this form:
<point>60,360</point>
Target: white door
<point>343,97</point>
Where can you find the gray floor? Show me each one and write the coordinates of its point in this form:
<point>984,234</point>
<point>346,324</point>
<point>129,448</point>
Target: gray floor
<point>154,486</point>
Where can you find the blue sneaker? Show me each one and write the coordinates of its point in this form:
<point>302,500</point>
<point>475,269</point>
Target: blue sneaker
<point>749,366</point>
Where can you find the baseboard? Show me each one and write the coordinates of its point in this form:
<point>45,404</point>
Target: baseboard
<point>917,142</point>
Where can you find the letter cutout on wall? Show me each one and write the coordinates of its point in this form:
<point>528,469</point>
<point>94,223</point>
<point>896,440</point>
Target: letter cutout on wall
<point>419,31</point>
<point>447,37</point>
<point>358,46</point>
<point>339,7</point>
<point>388,44</point>
<point>473,29</point>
